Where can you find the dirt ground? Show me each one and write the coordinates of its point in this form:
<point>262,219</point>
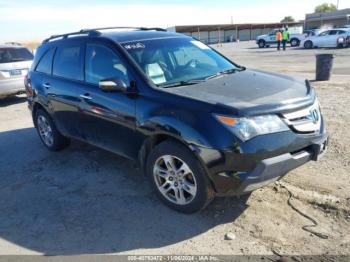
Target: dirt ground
<point>87,201</point>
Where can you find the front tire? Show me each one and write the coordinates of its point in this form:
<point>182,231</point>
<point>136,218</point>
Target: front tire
<point>178,177</point>
<point>48,132</point>
<point>294,42</point>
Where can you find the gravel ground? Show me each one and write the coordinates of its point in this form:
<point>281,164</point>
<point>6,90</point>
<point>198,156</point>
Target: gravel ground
<point>87,201</point>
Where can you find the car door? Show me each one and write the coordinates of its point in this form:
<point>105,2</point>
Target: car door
<point>331,39</point>
<point>108,118</point>
<point>320,40</point>
<point>67,78</point>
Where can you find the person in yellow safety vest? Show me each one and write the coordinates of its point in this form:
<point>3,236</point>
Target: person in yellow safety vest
<point>278,39</point>
<point>285,38</point>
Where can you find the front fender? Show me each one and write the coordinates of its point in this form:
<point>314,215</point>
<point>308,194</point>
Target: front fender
<point>179,131</point>
<point>166,125</point>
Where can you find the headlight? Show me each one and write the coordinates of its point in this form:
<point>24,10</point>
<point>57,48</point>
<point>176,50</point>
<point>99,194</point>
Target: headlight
<point>248,127</point>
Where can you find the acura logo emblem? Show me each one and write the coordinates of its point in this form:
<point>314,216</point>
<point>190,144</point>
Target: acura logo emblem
<point>314,115</point>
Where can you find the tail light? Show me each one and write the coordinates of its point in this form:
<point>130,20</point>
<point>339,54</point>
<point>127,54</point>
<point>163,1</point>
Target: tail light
<point>28,86</point>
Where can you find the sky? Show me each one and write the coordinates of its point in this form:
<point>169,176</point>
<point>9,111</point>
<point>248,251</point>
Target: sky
<point>33,20</point>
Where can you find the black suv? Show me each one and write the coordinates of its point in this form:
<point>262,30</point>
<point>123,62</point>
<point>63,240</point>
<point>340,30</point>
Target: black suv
<point>199,125</point>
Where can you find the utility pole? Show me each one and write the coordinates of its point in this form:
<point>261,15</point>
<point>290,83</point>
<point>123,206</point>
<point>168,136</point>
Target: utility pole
<point>337,4</point>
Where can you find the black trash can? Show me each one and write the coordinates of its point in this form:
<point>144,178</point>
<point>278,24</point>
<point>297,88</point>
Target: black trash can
<point>324,64</point>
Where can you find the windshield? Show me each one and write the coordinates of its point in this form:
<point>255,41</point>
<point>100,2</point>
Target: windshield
<point>8,55</point>
<point>177,60</point>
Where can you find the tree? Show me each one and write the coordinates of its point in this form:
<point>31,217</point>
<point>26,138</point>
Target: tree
<point>325,7</point>
<point>287,19</point>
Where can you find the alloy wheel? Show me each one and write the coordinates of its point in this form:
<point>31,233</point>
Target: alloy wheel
<point>45,130</point>
<point>174,179</point>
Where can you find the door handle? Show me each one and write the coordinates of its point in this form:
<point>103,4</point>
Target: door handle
<point>47,85</point>
<point>86,96</point>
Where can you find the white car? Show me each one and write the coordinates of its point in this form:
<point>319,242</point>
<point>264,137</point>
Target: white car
<point>15,61</point>
<point>338,37</point>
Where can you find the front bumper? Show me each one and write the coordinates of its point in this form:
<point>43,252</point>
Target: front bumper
<point>267,170</point>
<point>11,86</point>
<point>273,169</point>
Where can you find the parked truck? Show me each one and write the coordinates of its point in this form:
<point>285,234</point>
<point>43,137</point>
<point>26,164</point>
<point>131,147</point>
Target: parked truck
<point>295,37</point>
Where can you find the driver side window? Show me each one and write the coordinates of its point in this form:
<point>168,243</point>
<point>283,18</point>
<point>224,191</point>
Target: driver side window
<point>102,63</point>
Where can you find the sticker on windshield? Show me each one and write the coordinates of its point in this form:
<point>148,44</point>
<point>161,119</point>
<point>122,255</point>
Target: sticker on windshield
<point>134,46</point>
<point>200,45</point>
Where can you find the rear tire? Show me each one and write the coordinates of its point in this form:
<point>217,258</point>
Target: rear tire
<point>178,177</point>
<point>341,44</point>
<point>48,132</point>
<point>308,44</point>
<point>261,43</point>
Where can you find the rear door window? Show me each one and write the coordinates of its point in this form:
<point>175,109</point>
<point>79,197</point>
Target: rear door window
<point>45,63</point>
<point>68,62</point>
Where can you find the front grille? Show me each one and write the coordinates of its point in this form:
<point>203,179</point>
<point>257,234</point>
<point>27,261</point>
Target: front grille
<point>306,121</point>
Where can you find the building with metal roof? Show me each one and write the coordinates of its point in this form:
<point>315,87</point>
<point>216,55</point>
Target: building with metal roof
<point>337,18</point>
<point>230,32</point>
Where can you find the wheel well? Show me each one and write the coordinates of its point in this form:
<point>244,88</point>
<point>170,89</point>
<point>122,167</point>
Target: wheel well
<point>155,140</point>
<point>36,106</point>
<point>309,41</point>
<point>150,143</point>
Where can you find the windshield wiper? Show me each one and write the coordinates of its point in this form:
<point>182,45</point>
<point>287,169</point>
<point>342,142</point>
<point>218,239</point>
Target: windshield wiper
<point>182,83</point>
<point>224,72</point>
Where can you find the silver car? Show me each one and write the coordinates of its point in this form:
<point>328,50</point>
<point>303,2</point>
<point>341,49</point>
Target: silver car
<point>15,61</point>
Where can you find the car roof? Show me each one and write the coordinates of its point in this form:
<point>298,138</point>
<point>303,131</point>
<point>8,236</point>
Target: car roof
<point>117,35</point>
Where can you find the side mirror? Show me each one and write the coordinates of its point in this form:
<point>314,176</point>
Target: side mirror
<point>113,85</point>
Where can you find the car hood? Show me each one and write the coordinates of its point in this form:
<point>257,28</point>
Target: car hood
<point>250,91</point>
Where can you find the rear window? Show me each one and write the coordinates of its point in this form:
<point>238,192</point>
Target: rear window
<point>9,55</point>
<point>68,62</point>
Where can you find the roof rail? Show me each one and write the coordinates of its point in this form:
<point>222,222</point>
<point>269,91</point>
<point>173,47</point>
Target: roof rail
<point>129,27</point>
<point>81,32</point>
<point>95,31</point>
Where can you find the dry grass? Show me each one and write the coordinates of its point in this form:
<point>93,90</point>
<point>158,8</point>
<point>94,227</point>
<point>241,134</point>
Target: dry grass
<point>31,45</point>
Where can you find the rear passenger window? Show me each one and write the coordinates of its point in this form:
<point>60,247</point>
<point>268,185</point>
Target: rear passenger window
<point>45,63</point>
<point>102,63</point>
<point>67,62</point>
